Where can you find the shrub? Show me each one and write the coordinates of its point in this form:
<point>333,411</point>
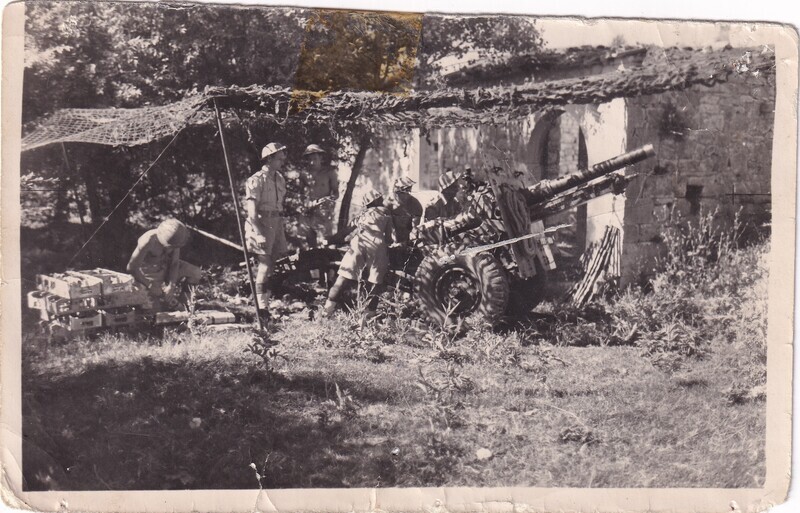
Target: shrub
<point>709,298</point>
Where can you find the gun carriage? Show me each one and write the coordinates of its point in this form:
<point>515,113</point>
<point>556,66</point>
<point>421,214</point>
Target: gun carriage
<point>457,267</point>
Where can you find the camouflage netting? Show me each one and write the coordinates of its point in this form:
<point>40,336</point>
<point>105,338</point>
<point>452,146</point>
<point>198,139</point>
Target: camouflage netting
<point>449,107</point>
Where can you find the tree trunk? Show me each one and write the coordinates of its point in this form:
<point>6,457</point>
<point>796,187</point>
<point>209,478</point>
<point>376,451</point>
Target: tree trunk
<point>92,194</point>
<point>344,211</point>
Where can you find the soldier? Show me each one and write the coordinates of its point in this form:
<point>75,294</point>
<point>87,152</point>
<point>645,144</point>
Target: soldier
<point>406,209</point>
<point>445,204</point>
<point>368,252</point>
<point>481,222</point>
<point>265,191</point>
<point>156,263</point>
<point>323,190</point>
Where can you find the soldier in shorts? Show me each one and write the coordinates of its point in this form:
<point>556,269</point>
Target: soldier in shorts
<point>368,253</point>
<point>156,265</point>
<point>265,191</point>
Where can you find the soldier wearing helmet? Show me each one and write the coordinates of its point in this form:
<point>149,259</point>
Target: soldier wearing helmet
<point>156,263</point>
<point>406,209</point>
<point>447,204</point>
<point>369,252</point>
<point>265,192</point>
<point>322,191</point>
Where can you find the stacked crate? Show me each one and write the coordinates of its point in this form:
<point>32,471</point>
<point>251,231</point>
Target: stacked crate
<point>78,301</point>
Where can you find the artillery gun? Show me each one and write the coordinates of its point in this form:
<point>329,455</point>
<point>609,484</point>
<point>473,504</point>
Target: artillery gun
<point>458,267</point>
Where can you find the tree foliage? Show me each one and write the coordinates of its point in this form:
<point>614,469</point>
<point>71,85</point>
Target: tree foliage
<point>119,54</point>
<point>359,51</point>
<point>449,42</point>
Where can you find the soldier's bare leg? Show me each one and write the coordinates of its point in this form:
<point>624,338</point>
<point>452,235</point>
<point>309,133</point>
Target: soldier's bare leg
<point>376,289</point>
<point>262,284</point>
<point>335,294</point>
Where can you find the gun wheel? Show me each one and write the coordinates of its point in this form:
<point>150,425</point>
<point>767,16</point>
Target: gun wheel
<point>462,286</point>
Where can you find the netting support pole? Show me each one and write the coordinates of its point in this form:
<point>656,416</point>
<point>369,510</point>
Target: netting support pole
<point>237,210</point>
<point>74,189</point>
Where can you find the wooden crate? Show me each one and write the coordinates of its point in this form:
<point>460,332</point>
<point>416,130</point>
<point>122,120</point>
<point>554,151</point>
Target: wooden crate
<point>112,281</point>
<point>56,305</point>
<point>70,286</point>
<point>134,297</point>
<point>81,322</point>
<point>119,317</point>
<point>37,300</point>
<point>201,317</point>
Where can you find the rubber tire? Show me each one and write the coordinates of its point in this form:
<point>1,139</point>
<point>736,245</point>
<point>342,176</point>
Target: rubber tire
<point>484,268</point>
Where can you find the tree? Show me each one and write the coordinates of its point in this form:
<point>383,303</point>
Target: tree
<point>359,51</point>
<point>82,54</point>
<point>109,54</point>
<point>449,42</point>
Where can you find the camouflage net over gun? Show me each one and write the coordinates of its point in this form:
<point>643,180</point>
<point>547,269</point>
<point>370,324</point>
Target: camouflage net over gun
<point>430,109</point>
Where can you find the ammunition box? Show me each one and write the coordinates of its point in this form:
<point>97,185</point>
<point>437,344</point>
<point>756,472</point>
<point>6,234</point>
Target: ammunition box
<point>81,321</point>
<point>112,281</point>
<point>56,305</point>
<point>134,297</point>
<point>119,317</point>
<point>70,286</point>
<point>37,299</point>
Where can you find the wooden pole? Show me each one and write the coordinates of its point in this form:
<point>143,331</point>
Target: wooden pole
<point>74,190</point>
<point>236,208</point>
<point>215,238</point>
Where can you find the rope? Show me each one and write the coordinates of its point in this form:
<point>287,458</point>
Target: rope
<point>138,180</point>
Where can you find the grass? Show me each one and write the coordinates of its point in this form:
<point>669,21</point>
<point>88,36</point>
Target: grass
<point>650,389</point>
<point>121,414</point>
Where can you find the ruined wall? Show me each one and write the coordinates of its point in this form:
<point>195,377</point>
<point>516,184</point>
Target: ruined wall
<point>507,145</point>
<point>714,148</point>
<point>393,153</point>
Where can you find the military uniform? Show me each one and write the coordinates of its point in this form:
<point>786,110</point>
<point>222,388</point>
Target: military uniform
<point>481,222</point>
<point>442,208</point>
<point>267,188</point>
<point>318,218</point>
<point>406,212</point>
<point>369,246</point>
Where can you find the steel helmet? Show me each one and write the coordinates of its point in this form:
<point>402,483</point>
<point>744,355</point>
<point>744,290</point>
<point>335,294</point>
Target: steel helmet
<point>313,148</point>
<point>271,149</point>
<point>172,233</point>
<point>448,179</point>
<point>370,197</point>
<point>403,183</point>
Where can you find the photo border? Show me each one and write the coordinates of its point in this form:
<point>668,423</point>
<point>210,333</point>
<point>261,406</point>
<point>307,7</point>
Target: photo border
<point>779,353</point>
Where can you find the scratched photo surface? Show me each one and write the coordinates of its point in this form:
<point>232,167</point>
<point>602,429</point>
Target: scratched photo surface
<point>485,251</point>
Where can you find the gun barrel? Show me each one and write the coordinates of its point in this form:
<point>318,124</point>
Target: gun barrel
<point>547,188</point>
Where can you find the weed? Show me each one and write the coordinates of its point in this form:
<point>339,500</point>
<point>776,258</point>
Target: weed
<point>265,348</point>
<point>671,344</point>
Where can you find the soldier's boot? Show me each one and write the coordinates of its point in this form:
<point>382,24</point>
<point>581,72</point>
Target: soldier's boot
<point>328,309</point>
<point>264,316</point>
<point>263,308</point>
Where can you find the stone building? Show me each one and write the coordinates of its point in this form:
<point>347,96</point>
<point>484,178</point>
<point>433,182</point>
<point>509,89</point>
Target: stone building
<point>713,144</point>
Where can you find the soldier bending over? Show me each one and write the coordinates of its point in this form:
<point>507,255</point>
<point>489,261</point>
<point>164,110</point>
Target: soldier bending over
<point>156,263</point>
<point>368,251</point>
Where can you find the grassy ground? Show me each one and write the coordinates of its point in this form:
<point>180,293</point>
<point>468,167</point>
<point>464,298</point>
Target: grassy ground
<point>195,410</point>
<point>651,389</point>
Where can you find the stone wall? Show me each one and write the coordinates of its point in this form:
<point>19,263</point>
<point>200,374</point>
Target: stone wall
<point>481,148</point>
<point>714,148</point>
